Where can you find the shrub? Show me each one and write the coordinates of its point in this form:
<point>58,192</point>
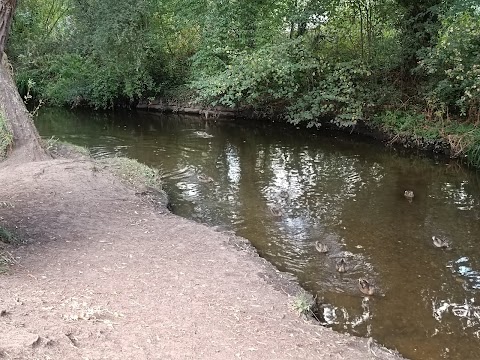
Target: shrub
<point>288,72</point>
<point>453,67</point>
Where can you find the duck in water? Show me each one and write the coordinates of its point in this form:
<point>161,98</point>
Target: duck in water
<point>321,248</point>
<point>276,210</point>
<point>204,178</point>
<point>366,287</point>
<point>409,195</point>
<point>440,243</point>
<point>341,265</point>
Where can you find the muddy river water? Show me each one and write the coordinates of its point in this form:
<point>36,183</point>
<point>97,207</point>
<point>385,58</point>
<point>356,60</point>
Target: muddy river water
<point>285,188</point>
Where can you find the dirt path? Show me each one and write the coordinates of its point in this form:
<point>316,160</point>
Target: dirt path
<point>106,276</point>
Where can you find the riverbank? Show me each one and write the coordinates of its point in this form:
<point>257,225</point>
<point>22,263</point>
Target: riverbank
<point>105,274</point>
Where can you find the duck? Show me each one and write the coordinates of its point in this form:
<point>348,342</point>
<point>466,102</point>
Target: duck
<point>366,287</point>
<point>204,178</point>
<point>440,243</point>
<point>409,195</point>
<point>321,248</point>
<point>276,211</point>
<point>341,265</point>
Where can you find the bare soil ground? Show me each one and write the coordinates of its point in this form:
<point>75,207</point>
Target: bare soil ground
<point>103,274</point>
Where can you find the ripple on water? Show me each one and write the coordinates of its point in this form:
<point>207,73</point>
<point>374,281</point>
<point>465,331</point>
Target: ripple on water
<point>202,135</point>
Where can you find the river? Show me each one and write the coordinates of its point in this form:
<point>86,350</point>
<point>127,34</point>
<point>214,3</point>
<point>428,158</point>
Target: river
<point>284,188</point>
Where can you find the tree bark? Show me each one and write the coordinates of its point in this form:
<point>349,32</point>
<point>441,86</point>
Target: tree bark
<point>7,8</point>
<point>26,141</point>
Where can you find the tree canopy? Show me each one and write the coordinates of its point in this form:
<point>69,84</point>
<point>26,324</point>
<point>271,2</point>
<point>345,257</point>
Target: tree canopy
<point>339,59</point>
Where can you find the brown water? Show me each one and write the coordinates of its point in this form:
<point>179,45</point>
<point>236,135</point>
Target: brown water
<point>344,191</point>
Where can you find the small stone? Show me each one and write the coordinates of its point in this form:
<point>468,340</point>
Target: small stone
<point>3,313</point>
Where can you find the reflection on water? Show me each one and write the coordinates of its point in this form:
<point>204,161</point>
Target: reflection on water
<point>284,189</point>
<point>462,268</point>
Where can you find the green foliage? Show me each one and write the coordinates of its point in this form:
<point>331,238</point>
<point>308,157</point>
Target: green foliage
<point>268,74</point>
<point>113,47</point>
<point>407,124</point>
<point>231,28</point>
<point>463,138</point>
<point>313,59</point>
<point>339,92</point>
<point>6,136</point>
<point>311,87</point>
<point>473,153</point>
<point>418,23</point>
<point>453,65</point>
<point>8,237</point>
<point>90,54</point>
<point>303,304</point>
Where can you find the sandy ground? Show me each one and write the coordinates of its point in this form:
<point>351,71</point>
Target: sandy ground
<point>103,274</point>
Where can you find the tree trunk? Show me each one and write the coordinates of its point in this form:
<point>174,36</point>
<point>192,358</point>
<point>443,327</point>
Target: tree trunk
<point>7,8</point>
<point>26,141</point>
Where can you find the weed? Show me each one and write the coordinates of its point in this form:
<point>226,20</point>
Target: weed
<point>407,124</point>
<point>52,143</point>
<point>463,138</point>
<point>473,154</point>
<point>6,136</point>
<point>303,304</point>
<point>6,258</point>
<point>6,204</point>
<point>7,236</point>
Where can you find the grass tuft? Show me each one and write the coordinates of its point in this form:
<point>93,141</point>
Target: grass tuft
<point>6,136</point>
<point>133,173</point>
<point>473,154</point>
<point>7,236</point>
<point>65,149</point>
<point>407,124</point>
<point>6,259</point>
<point>462,138</point>
<point>304,304</point>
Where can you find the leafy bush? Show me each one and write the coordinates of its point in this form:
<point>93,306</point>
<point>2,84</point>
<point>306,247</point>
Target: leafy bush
<point>339,93</point>
<point>84,53</point>
<point>254,78</point>
<point>453,65</point>
<point>289,73</point>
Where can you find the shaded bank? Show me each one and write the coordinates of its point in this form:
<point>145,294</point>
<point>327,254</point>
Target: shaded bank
<point>437,143</point>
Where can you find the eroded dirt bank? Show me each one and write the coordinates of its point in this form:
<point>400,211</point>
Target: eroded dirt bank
<point>104,275</point>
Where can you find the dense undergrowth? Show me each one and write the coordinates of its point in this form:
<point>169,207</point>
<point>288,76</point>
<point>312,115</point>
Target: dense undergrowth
<point>461,138</point>
<point>408,67</point>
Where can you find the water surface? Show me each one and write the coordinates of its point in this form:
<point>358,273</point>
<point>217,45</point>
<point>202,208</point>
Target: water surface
<point>344,191</point>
